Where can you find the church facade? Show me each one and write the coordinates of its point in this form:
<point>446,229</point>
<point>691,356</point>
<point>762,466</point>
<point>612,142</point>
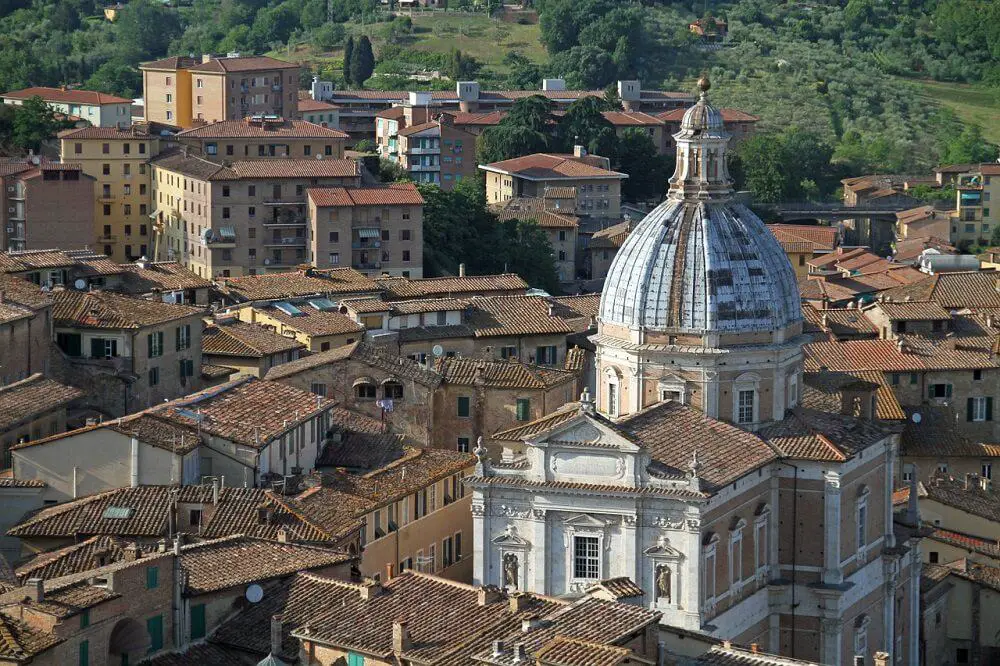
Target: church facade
<point>742,497</point>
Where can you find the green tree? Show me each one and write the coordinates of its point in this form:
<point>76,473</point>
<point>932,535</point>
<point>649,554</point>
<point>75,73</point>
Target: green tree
<point>390,171</point>
<point>585,124</point>
<point>586,67</point>
<point>34,122</point>
<point>348,59</point>
<point>328,35</point>
<point>758,168</point>
<point>117,79</point>
<point>145,31</point>
<point>362,61</point>
<point>505,142</point>
<point>995,237</point>
<point>648,171</point>
<point>969,147</point>
<point>533,112</point>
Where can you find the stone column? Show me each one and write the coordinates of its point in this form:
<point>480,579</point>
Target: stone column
<point>630,549</point>
<point>830,646</point>
<point>832,574</point>
<point>539,553</point>
<point>890,472</point>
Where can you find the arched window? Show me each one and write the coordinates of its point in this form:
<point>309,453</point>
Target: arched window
<point>392,390</point>
<point>364,388</point>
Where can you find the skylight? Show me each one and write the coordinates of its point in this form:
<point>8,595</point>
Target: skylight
<point>289,309</point>
<point>117,513</point>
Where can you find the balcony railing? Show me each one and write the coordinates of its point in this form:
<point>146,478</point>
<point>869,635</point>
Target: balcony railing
<point>285,242</point>
<point>358,245</point>
<point>107,238</point>
<point>365,266</point>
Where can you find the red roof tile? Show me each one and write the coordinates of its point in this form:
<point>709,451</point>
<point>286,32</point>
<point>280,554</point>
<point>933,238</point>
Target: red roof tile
<point>66,96</point>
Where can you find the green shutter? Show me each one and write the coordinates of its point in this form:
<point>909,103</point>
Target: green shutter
<point>154,626</point>
<point>947,390</point>
<point>355,659</point>
<point>84,653</point>
<point>463,406</point>
<point>968,409</point>
<point>85,618</point>
<point>523,409</point>
<point>989,409</point>
<point>152,578</point>
<point>149,346</point>
<point>197,621</point>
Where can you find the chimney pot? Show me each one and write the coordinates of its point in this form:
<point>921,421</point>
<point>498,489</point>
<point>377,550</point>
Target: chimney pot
<point>498,648</point>
<point>275,635</point>
<point>36,589</point>
<point>487,594</point>
<point>754,648</point>
<point>388,571</point>
<point>881,659</point>
<point>370,589</point>
<point>132,552</point>
<point>520,654</point>
<point>282,535</point>
<point>401,640</point>
<point>461,270</point>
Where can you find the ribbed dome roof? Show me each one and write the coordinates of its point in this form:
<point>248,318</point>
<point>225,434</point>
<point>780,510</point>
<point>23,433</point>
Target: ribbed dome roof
<point>702,117</point>
<point>696,267</point>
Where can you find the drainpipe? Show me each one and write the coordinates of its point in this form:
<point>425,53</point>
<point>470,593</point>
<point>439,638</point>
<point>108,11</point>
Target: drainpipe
<point>133,462</point>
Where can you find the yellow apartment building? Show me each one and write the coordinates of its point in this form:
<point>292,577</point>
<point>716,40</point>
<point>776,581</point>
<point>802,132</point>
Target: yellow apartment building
<point>118,160</point>
<point>375,230</point>
<point>242,217</point>
<point>973,220</point>
<point>263,137</point>
<point>186,92</point>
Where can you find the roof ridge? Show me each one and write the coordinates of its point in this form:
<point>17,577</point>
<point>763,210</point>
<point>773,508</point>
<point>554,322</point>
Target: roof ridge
<point>298,514</point>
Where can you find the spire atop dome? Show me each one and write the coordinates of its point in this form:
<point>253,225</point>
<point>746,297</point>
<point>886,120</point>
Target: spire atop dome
<point>704,84</point>
<point>701,173</point>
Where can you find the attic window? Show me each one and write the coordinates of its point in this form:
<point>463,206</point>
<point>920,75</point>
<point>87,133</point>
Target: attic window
<point>117,513</point>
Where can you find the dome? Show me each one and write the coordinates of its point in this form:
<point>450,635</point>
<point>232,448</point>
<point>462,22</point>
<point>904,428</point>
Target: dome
<point>697,267</point>
<point>701,261</point>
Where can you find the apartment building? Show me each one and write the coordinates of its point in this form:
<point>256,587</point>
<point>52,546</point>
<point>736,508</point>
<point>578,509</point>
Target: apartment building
<point>598,188</point>
<point>40,206</point>
<point>127,353</point>
<point>97,108</point>
<point>972,220</point>
<point>185,92</point>
<point>262,137</point>
<point>376,230</point>
<point>117,161</point>
<point>437,152</point>
<point>240,217</point>
<point>559,225</point>
<point>26,328</point>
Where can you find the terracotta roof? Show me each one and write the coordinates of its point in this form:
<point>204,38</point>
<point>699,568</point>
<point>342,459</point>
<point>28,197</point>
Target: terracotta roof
<point>917,354</point>
<point>936,436</point>
<point>210,371</point>
<point>972,500</point>
<point>199,654</point>
<point>297,168</point>
<point>297,284</point>
<point>515,315</point>
<point>13,312</point>
<point>395,113</point>
<point>613,236</point>
<point>33,260</point>
<point>622,587</point>
<point>307,105</point>
<point>974,289</point>
<point>108,310</point>
<point>632,119</point>
<point>10,482</point>
<point>359,442</point>
<point>531,208</point>
<point>173,62</point>
<point>510,374</point>
<point>19,641</point>
<point>544,166</point>
<point>242,64</point>
<point>973,544</point>
<point>394,194</point>
<point>887,407</point>
<point>88,554</point>
<point>562,651</point>
<point>240,560</point>
<point>371,355</point>
<point>134,132</point>
<point>913,310</point>
<point>419,127</point>
<point>822,238</point>
<point>31,398</point>
<point>841,323</point>
<point>529,430</point>
<point>284,128</point>
<point>418,306</point>
<point>721,655</point>
<point>314,322</point>
<point>812,434</point>
<point>247,411</point>
<point>398,288</point>
<point>487,118</point>
<point>910,249</point>
<point>66,96</point>
<point>728,116</point>
<point>237,338</point>
<point>160,275</point>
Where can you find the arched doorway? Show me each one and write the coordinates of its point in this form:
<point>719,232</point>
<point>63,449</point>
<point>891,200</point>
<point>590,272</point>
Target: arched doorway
<point>128,643</point>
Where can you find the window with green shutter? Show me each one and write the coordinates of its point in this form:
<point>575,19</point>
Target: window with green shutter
<point>152,578</point>
<point>154,342</point>
<point>464,407</point>
<point>84,653</point>
<point>85,618</point>
<point>355,659</point>
<point>197,621</point>
<point>523,409</point>
<point>154,626</point>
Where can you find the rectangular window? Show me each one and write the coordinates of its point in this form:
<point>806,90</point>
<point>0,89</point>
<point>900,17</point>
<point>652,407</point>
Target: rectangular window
<point>154,626</point>
<point>862,535</point>
<point>464,406</point>
<point>708,566</point>
<point>977,375</point>
<point>186,368</point>
<point>197,621</point>
<point>463,444</point>
<point>913,378</point>
<point>458,546</point>
<point>586,557</point>
<point>183,336</point>
<point>446,552</point>
<point>85,618</point>
<point>745,406</point>
<point>895,379</point>
<point>152,578</point>
<point>154,376</point>
<point>979,409</point>
<point>84,653</point>
<point>546,355</point>
<point>939,391</point>
<point>154,342</point>
<point>987,470</point>
<point>523,409</point>
<point>334,236</point>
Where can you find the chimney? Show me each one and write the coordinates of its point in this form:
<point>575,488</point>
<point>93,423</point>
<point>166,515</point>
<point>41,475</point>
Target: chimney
<point>206,57</point>
<point>282,535</point>
<point>579,151</point>
<point>178,542</point>
<point>518,602</point>
<point>881,659</point>
<point>215,491</point>
<point>388,571</point>
<point>401,640</point>
<point>35,588</point>
<point>275,635</point>
<point>754,648</point>
<point>520,654</point>
<point>370,589</point>
<point>461,271</point>
<point>487,594</point>
<point>498,648</point>
<point>132,552</point>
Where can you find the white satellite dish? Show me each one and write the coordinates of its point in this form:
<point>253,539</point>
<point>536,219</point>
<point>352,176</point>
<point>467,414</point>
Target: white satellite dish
<point>254,593</point>
<point>916,418</point>
<point>80,284</point>
<point>437,350</point>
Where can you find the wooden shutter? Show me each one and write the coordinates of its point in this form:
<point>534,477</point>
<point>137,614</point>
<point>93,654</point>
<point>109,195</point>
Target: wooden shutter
<point>197,621</point>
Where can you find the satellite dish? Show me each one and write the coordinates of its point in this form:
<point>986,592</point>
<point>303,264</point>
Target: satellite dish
<point>80,284</point>
<point>254,593</point>
<point>916,418</point>
<point>437,350</point>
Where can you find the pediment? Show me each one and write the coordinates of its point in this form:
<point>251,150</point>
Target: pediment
<point>509,538</point>
<point>586,521</point>
<point>663,550</point>
<point>585,431</point>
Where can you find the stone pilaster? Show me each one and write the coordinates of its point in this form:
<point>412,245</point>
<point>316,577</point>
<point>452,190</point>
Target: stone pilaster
<point>832,574</point>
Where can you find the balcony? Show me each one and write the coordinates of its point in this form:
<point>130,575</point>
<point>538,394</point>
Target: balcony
<point>424,151</point>
<point>360,245</point>
<point>220,243</point>
<point>291,222</point>
<point>295,241</point>
<point>107,238</point>
<point>106,198</point>
<point>368,266</point>
<point>276,87</point>
<point>371,223</point>
<point>422,167</point>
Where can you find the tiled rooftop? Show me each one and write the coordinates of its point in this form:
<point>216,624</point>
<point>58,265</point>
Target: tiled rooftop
<point>511,374</point>
<point>364,352</point>
<point>975,289</point>
<point>821,238</point>
<point>240,339</point>
<point>19,641</point>
<point>499,316</point>
<point>298,284</point>
<point>33,397</point>
<point>160,275</point>
<point>246,129</point>
<point>913,310</point>
<point>533,208</point>
<point>67,96</point>
<point>728,655</point>
<point>393,194</point>
<point>314,322</point>
<point>544,166</point>
<point>613,236</point>
<point>108,310</point>
<point>400,288</point>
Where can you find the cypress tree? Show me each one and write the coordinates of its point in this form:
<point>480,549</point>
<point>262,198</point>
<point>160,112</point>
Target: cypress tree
<point>348,58</point>
<point>362,62</point>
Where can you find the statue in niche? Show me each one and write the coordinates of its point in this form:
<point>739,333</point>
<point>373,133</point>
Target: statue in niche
<point>663,582</point>
<point>510,566</point>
